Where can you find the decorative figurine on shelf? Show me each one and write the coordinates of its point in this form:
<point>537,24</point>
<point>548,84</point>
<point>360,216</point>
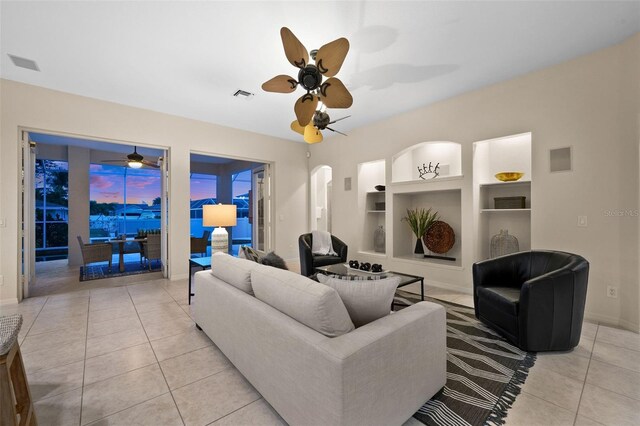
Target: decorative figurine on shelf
<point>379,239</point>
<point>430,170</point>
<point>503,243</point>
<point>376,268</point>
<point>365,266</point>
<point>354,264</point>
<point>420,220</point>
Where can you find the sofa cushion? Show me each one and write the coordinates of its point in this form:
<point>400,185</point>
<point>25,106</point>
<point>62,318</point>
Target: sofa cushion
<point>325,260</point>
<point>366,300</point>
<point>505,299</point>
<point>236,272</point>
<point>313,304</point>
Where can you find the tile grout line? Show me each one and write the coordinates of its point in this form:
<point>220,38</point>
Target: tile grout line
<point>84,367</point>
<point>156,357</point>
<point>34,320</point>
<point>584,384</point>
<point>236,410</point>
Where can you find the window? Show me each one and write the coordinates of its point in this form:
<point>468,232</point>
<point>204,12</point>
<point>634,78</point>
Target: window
<point>123,201</point>
<point>52,211</point>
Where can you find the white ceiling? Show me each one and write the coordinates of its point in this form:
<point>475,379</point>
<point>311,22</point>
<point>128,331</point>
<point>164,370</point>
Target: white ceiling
<point>188,58</point>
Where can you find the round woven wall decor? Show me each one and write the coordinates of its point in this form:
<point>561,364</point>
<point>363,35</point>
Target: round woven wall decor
<point>440,237</point>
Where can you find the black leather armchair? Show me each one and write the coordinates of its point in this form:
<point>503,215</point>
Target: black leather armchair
<point>309,261</point>
<point>535,299</point>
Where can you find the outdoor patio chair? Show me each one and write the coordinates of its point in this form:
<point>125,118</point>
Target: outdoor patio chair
<point>151,249</point>
<point>199,244</point>
<point>97,252</point>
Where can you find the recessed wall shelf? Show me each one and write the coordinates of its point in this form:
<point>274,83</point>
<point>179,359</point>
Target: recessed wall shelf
<point>505,210</point>
<point>511,153</point>
<point>376,211</point>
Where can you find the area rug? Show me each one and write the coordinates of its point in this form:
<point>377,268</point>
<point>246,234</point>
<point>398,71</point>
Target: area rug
<point>97,272</point>
<point>485,373</point>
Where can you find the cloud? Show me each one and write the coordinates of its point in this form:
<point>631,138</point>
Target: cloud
<point>110,195</point>
<point>100,182</point>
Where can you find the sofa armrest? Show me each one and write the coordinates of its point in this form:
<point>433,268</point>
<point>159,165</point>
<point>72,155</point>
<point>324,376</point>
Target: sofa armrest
<point>552,307</point>
<point>339,247</point>
<point>402,354</point>
<point>306,257</point>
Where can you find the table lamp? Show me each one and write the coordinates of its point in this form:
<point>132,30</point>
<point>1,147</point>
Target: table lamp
<point>219,215</point>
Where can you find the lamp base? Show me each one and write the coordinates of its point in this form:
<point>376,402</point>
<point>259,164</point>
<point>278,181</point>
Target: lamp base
<point>219,241</point>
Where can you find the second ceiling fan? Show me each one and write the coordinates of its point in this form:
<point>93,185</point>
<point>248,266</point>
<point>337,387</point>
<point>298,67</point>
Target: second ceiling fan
<point>332,92</point>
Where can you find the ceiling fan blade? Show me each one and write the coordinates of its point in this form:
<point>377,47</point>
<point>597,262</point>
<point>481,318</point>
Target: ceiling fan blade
<point>114,161</point>
<point>280,84</point>
<point>334,94</point>
<point>296,127</point>
<point>312,134</point>
<point>333,130</point>
<point>295,51</point>
<point>150,164</point>
<point>338,119</point>
<point>305,108</point>
<point>330,57</point>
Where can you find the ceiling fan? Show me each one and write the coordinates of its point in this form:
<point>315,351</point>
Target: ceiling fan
<point>328,60</point>
<point>312,131</point>
<point>134,160</point>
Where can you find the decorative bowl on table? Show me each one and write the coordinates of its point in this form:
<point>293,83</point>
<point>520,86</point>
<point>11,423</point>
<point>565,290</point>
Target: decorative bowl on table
<point>509,176</point>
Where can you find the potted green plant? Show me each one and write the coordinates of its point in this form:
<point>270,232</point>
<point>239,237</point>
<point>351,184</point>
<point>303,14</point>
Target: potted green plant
<point>419,220</point>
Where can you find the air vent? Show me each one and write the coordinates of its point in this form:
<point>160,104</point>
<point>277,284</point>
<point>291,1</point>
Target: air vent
<point>243,94</point>
<point>29,64</point>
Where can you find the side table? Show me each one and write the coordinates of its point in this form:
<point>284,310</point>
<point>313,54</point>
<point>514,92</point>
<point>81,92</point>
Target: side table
<point>201,262</point>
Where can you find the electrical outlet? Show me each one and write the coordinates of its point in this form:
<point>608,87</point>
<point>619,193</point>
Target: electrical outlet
<point>582,221</point>
<point>1,279</point>
<point>3,222</point>
<point>612,292</point>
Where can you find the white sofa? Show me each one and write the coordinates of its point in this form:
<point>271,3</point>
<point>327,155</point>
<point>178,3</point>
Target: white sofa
<point>378,374</point>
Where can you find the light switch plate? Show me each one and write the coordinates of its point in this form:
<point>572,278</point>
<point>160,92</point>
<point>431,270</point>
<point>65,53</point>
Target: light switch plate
<point>582,221</point>
<point>3,222</point>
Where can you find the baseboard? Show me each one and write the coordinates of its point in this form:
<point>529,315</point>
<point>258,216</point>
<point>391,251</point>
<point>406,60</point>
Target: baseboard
<point>177,277</point>
<point>611,321</point>
<point>13,301</point>
<point>448,286</point>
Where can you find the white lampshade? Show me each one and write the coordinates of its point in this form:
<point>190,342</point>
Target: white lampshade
<point>219,215</point>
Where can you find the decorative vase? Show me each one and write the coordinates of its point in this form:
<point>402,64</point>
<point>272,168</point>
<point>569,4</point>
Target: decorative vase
<point>419,250</point>
<point>503,243</point>
<point>379,239</point>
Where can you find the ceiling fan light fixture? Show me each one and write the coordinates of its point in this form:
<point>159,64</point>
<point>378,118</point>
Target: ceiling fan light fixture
<point>312,134</point>
<point>135,164</point>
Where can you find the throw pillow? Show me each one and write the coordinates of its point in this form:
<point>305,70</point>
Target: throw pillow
<point>249,253</point>
<point>272,259</point>
<point>365,300</point>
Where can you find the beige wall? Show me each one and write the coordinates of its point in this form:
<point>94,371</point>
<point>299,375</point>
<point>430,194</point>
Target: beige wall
<point>36,108</point>
<point>591,104</point>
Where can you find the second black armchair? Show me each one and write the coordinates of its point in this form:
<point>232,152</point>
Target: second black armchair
<point>535,298</point>
<point>309,261</point>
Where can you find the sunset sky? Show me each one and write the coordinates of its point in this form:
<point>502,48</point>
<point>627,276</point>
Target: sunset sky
<point>143,185</point>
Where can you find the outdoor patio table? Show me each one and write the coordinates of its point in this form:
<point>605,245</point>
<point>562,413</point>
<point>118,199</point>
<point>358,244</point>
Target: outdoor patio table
<point>121,243</point>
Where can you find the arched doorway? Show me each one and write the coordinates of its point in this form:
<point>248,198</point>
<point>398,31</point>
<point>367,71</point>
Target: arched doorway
<point>320,207</point>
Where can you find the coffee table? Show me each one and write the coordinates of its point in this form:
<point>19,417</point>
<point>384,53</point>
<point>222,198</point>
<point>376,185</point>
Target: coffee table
<point>201,262</point>
<point>343,270</point>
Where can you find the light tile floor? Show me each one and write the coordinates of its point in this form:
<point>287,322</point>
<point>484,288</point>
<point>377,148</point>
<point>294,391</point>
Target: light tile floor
<point>131,354</point>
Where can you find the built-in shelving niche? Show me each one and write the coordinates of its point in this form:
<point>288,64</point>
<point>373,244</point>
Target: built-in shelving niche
<point>371,203</point>
<point>446,202</point>
<point>447,155</point>
<point>511,153</point>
